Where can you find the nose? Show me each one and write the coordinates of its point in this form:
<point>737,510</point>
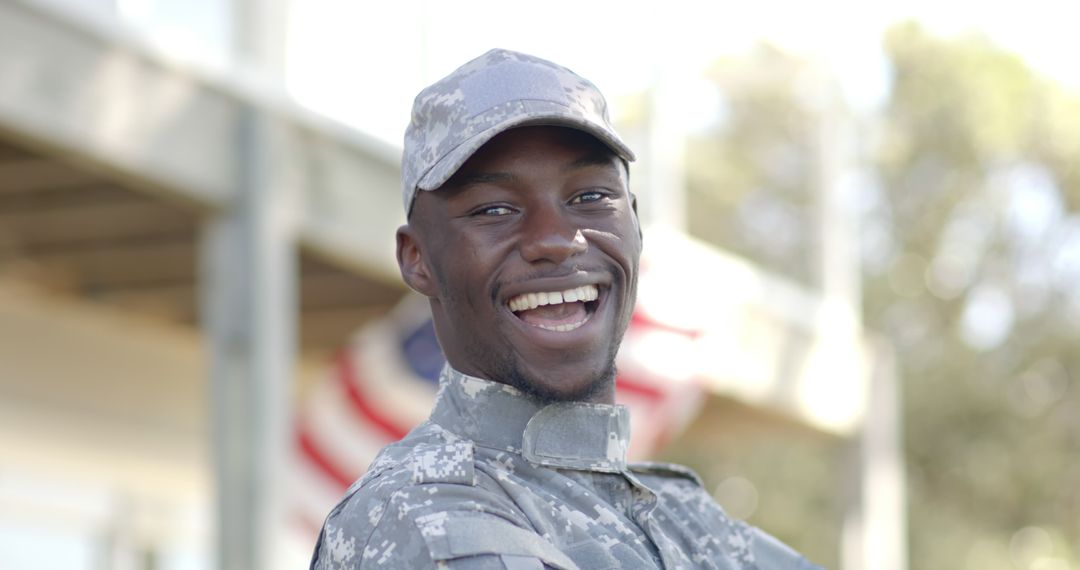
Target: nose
<point>549,237</point>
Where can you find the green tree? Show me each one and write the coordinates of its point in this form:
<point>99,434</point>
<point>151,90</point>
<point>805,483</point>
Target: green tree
<point>970,245</point>
<point>750,174</point>
<point>978,290</point>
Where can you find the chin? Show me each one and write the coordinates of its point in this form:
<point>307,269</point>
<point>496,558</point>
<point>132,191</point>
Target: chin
<point>583,383</point>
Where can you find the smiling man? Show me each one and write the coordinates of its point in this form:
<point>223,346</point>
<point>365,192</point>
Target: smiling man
<point>523,234</point>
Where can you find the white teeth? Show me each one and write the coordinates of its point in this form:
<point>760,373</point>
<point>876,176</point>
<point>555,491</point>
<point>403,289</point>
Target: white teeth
<point>529,301</point>
<point>566,327</point>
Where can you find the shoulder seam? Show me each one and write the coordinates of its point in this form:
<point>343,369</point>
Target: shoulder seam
<point>680,471</point>
<point>425,463</point>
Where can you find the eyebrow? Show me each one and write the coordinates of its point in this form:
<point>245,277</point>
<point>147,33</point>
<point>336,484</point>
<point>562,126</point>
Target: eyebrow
<point>598,158</point>
<point>467,180</point>
<point>591,159</point>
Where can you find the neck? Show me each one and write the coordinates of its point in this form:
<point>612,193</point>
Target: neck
<point>599,390</point>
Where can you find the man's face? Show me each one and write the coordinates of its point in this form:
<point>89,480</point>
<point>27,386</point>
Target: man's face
<point>529,255</point>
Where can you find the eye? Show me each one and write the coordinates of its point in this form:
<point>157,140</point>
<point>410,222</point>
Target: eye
<point>492,211</point>
<point>589,196</point>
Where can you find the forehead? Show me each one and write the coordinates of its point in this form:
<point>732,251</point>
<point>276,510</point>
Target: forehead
<point>527,146</point>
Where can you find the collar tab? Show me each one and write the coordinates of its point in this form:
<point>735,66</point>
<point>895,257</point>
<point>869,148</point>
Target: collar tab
<point>578,435</point>
<point>566,435</point>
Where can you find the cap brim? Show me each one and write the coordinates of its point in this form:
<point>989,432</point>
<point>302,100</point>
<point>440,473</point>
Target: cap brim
<point>445,168</point>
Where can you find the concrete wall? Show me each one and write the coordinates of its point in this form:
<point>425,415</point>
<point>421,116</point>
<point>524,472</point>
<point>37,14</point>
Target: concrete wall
<point>103,432</point>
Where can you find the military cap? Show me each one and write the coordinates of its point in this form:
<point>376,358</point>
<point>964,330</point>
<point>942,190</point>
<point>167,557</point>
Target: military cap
<point>500,90</point>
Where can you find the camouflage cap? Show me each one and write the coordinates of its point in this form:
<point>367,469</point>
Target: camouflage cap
<point>500,90</point>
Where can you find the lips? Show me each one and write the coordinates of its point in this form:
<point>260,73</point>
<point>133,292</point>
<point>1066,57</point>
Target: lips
<point>559,311</point>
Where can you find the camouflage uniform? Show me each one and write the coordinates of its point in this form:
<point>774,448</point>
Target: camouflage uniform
<point>496,480</point>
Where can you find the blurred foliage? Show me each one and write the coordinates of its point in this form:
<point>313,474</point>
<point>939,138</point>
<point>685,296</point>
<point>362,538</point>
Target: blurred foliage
<point>969,203</point>
<point>750,176</point>
<point>978,290</point>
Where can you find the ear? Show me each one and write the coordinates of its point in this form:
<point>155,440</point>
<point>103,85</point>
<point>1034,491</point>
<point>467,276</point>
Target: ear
<point>637,220</point>
<point>412,263</point>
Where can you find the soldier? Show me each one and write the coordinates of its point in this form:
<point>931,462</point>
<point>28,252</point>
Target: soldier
<point>524,236</point>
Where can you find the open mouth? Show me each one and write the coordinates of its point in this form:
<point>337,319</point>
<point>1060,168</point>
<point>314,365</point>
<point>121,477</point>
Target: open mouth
<point>559,311</point>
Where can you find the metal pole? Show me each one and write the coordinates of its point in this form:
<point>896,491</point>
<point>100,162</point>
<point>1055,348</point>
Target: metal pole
<point>665,201</point>
<point>249,310</point>
<point>883,491</point>
<point>874,535</point>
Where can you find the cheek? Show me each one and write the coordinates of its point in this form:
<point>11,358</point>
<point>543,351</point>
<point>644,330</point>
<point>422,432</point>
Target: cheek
<point>448,279</point>
<point>464,278</point>
<point>620,242</point>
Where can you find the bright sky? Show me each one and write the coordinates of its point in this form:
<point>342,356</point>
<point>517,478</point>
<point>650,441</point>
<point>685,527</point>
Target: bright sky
<point>363,66</point>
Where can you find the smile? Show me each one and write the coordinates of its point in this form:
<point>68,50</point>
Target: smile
<point>559,311</point>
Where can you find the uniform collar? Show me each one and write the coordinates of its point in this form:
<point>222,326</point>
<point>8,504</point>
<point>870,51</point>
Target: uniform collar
<point>567,435</point>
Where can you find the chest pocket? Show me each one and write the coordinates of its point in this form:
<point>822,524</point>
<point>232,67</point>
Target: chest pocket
<point>452,536</point>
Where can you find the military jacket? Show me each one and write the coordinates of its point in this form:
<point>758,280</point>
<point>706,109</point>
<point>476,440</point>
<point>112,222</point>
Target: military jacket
<point>497,480</point>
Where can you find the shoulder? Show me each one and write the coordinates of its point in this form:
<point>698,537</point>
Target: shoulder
<point>771,554</point>
<point>682,492</point>
<point>429,454</point>
<point>368,523</point>
<point>424,504</point>
<point>398,477</point>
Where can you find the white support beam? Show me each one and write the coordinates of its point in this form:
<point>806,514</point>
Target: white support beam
<point>664,202</point>
<point>250,314</point>
<point>260,37</point>
<point>875,529</point>
<point>874,536</point>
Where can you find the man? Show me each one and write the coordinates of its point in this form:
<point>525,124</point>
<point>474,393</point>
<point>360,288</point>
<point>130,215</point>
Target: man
<point>524,236</point>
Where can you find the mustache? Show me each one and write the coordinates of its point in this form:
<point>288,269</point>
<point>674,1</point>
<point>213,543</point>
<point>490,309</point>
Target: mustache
<point>559,272</point>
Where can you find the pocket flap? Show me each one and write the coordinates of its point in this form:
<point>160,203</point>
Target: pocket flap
<point>452,535</point>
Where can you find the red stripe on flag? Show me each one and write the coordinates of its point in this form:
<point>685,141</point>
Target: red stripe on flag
<point>305,525</point>
<point>346,375</point>
<point>318,458</point>
<point>623,384</point>
<point>306,522</point>
<point>640,319</point>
